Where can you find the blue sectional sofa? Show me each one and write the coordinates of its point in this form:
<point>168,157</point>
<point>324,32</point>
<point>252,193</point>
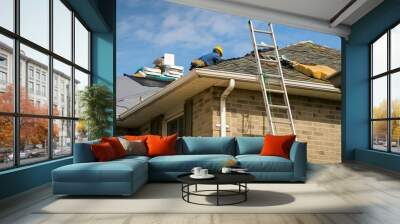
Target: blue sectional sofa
<point>125,176</point>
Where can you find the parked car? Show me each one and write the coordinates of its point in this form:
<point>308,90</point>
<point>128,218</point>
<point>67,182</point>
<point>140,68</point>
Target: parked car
<point>22,155</point>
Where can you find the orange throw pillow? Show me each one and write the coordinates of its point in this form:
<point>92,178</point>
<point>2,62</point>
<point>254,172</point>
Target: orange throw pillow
<point>277,145</point>
<point>161,145</point>
<point>136,137</point>
<point>103,152</point>
<point>116,145</point>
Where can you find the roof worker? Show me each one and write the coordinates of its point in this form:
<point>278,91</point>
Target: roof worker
<point>209,59</point>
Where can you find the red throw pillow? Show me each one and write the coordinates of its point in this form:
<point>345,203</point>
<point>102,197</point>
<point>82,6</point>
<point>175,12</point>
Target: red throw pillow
<point>275,145</point>
<point>103,152</point>
<point>136,137</point>
<point>116,145</point>
<point>161,145</point>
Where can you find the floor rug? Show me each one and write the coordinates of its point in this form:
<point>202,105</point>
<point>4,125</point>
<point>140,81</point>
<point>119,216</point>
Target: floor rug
<point>166,198</point>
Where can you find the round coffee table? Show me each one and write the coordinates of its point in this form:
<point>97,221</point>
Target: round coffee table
<point>238,179</point>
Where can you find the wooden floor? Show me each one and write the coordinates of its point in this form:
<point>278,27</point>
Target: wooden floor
<point>379,189</point>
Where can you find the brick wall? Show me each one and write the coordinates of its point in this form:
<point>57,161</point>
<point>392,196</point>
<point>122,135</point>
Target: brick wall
<point>317,121</point>
<point>202,119</point>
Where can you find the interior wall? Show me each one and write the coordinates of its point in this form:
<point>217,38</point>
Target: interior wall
<point>355,82</point>
<point>103,69</point>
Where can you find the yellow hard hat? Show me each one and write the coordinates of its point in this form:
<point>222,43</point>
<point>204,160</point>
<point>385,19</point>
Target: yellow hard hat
<point>219,48</point>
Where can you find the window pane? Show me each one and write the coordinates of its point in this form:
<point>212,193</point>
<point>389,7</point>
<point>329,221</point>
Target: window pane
<point>34,72</point>
<point>6,142</point>
<point>379,135</point>
<point>35,21</point>
<point>175,126</point>
<point>395,47</point>
<point>395,138</point>
<point>33,139</point>
<point>62,89</point>
<point>81,131</point>
<point>395,94</point>
<point>62,29</point>
<point>81,45</point>
<point>379,55</point>
<point>81,82</point>
<point>379,97</point>
<point>62,137</point>
<point>7,14</point>
<point>6,75</point>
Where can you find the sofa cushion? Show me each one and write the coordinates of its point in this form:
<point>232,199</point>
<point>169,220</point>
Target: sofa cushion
<point>257,163</point>
<point>277,145</point>
<point>112,171</point>
<point>135,137</point>
<point>133,158</point>
<point>161,145</point>
<point>103,152</point>
<point>249,145</point>
<point>185,163</point>
<point>134,147</point>
<point>207,145</point>
<point>116,145</point>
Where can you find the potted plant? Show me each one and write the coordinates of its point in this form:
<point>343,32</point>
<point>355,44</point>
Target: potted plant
<point>96,103</point>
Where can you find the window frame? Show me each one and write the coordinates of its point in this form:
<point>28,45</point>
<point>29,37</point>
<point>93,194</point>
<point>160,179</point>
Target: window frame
<point>171,118</point>
<point>388,74</point>
<point>16,114</point>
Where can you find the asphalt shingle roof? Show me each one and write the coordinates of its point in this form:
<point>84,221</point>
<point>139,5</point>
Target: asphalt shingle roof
<point>304,52</point>
<point>130,91</point>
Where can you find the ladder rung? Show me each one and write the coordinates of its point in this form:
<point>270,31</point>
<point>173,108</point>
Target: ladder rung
<point>275,90</point>
<point>272,76</point>
<point>279,106</point>
<point>265,46</point>
<point>262,31</point>
<point>269,60</point>
<point>282,122</point>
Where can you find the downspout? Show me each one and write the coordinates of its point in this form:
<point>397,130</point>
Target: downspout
<point>224,95</point>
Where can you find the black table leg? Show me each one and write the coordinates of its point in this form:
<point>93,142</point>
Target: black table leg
<point>217,194</point>
<point>188,190</point>
<point>195,188</point>
<point>245,193</point>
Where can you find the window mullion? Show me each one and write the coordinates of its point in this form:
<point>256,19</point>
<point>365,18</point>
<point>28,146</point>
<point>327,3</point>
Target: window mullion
<point>73,82</point>
<point>50,81</point>
<point>16,85</point>
<point>389,104</point>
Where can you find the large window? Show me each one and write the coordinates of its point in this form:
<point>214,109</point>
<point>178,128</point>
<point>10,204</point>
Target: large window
<point>385,92</point>
<point>44,65</point>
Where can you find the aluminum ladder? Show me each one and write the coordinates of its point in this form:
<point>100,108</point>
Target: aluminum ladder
<point>264,79</point>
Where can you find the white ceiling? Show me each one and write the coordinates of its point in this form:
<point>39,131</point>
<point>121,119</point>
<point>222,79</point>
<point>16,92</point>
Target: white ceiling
<point>324,16</point>
<point>322,9</point>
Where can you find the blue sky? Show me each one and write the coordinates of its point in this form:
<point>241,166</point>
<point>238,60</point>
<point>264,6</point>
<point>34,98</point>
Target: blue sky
<point>148,29</point>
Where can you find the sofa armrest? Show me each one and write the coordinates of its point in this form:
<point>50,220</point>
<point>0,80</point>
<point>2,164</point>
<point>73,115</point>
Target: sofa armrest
<point>298,155</point>
<point>83,152</point>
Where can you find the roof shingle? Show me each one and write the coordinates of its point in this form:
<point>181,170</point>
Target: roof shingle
<point>305,52</point>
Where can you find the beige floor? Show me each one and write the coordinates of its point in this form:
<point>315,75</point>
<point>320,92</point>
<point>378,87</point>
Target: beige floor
<point>379,189</point>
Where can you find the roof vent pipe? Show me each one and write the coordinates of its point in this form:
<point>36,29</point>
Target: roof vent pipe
<point>224,95</point>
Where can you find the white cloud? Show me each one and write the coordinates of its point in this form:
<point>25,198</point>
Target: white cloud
<point>189,28</point>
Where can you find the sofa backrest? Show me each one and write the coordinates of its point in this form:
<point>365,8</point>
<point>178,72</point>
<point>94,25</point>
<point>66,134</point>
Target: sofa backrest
<point>190,146</point>
<point>83,153</point>
<point>206,145</point>
<point>249,145</point>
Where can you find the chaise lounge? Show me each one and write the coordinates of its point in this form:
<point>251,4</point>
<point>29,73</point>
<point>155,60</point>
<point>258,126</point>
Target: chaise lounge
<point>125,176</point>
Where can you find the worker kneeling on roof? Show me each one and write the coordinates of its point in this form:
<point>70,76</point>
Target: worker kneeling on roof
<point>209,59</point>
